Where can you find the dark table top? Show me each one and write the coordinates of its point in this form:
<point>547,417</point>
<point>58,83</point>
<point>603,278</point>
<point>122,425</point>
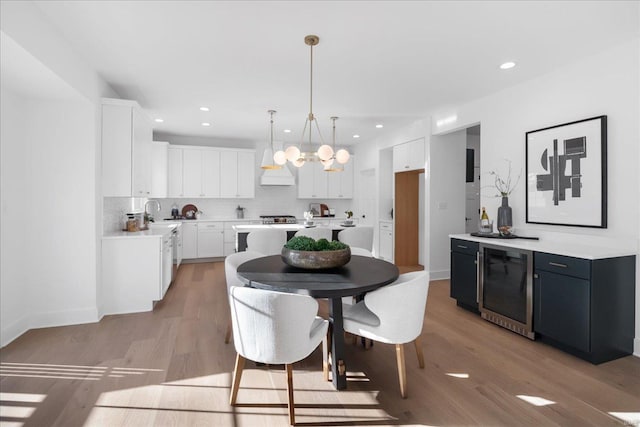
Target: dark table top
<point>361,274</point>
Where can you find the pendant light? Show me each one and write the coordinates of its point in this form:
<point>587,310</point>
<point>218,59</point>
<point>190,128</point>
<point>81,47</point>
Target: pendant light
<point>325,153</point>
<point>268,157</point>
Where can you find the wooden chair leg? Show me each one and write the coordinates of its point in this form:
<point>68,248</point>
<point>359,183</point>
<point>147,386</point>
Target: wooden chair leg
<point>402,373</point>
<point>227,335</point>
<point>418,346</point>
<point>325,358</point>
<point>235,383</point>
<point>292,417</point>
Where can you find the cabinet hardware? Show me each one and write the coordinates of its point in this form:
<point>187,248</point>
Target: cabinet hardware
<point>535,276</point>
<point>557,264</point>
<point>463,247</point>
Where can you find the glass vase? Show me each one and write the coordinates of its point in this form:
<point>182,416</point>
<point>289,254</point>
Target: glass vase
<point>505,220</point>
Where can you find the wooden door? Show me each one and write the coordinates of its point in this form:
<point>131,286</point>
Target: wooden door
<point>406,232</point>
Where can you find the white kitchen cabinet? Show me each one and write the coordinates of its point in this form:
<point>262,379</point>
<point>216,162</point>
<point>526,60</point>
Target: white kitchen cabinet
<point>132,273</point>
<point>126,149</point>
<point>385,241</point>
<point>408,156</point>
<point>210,239</point>
<point>237,174</point>
<point>189,240</point>
<point>174,186</point>
<point>340,184</point>
<point>312,181</point>
<point>201,172</point>
<point>159,169</point>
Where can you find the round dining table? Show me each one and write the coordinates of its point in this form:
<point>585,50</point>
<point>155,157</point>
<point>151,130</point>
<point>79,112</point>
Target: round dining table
<point>360,275</point>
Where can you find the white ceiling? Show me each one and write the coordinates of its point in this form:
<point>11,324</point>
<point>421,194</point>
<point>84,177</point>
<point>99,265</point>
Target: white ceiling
<point>384,62</point>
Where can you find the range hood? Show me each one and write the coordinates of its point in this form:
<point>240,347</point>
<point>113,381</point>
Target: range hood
<point>278,177</point>
<point>282,176</point>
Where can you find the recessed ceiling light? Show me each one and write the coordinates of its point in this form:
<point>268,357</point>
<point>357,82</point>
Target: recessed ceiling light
<point>287,131</point>
<point>507,65</point>
<point>356,136</point>
<point>379,126</point>
<point>204,108</point>
<point>206,124</point>
<point>159,120</point>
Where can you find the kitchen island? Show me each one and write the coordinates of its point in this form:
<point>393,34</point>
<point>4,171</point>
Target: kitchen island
<point>243,230</point>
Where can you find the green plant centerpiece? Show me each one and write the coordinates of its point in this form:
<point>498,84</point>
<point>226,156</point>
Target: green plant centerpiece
<point>305,252</point>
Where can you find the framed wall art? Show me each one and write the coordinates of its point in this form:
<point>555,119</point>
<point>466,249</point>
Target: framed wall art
<point>566,170</point>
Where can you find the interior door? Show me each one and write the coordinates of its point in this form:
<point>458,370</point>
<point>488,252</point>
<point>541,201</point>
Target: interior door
<point>406,215</point>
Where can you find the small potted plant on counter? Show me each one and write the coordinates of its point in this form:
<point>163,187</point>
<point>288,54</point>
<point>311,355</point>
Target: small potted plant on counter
<point>348,221</point>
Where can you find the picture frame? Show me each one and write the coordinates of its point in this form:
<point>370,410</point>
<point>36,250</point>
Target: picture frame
<point>566,171</point>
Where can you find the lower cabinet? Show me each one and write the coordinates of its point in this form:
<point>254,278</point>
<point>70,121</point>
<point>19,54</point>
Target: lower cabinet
<point>464,273</point>
<point>585,307</point>
<point>210,239</point>
<point>133,274</point>
<point>189,240</point>
<point>385,241</point>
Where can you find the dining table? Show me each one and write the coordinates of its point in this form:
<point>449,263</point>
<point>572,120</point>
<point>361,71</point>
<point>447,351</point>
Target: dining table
<point>360,275</point>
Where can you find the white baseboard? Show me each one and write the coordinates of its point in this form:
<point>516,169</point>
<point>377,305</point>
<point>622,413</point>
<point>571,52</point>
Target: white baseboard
<point>439,275</point>
<point>12,331</point>
<point>47,320</point>
<point>636,347</point>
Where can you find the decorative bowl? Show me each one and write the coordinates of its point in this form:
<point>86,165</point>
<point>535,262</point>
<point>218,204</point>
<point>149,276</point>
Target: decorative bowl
<point>316,260</point>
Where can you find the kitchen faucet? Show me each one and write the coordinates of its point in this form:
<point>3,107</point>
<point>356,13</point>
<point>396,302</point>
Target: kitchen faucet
<point>147,214</point>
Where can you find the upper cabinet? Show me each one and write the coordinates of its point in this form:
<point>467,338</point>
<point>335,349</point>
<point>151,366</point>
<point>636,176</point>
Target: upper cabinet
<point>210,172</point>
<point>201,172</point>
<point>126,149</point>
<point>174,186</point>
<point>237,174</point>
<point>408,156</point>
<point>312,181</point>
<point>159,168</point>
<point>340,184</point>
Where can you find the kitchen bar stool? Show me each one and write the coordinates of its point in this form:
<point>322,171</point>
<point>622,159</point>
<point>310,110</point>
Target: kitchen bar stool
<point>266,242</point>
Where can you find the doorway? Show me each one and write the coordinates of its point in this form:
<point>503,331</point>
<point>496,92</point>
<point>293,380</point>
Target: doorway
<point>472,199</point>
<point>407,214</point>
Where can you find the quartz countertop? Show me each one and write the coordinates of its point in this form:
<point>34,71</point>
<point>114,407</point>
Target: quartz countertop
<point>551,246</point>
<point>156,230</point>
<point>288,227</point>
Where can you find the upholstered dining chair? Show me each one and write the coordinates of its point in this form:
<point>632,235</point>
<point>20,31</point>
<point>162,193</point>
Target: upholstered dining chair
<point>316,233</point>
<point>274,328</point>
<point>360,251</point>
<point>392,314</point>
<point>360,236</point>
<point>268,241</point>
<point>231,263</point>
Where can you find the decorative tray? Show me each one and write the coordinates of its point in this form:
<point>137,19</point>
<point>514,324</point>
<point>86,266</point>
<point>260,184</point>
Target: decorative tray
<point>347,225</point>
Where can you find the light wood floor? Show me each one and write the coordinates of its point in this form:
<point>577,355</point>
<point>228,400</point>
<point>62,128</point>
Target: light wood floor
<point>170,367</point>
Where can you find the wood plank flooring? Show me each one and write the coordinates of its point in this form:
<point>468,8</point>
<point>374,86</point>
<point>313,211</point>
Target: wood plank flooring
<point>170,367</point>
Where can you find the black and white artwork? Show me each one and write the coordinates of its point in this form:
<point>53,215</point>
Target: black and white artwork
<point>566,169</point>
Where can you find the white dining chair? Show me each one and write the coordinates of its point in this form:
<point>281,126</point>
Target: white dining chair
<point>274,328</point>
<point>360,251</point>
<point>360,236</point>
<point>268,241</point>
<point>231,264</point>
<point>316,233</point>
<point>392,314</point>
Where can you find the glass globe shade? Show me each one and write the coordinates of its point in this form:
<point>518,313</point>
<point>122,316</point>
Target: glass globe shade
<point>292,153</point>
<point>298,162</point>
<point>327,163</point>
<point>325,152</point>
<point>342,156</point>
<point>280,157</point>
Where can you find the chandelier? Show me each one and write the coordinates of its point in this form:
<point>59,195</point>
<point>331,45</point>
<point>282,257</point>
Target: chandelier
<point>268,157</point>
<point>325,154</point>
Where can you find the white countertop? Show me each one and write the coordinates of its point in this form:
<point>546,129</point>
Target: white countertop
<point>156,231</point>
<point>557,247</point>
<point>288,227</point>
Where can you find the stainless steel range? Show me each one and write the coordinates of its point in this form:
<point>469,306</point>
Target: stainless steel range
<point>278,219</point>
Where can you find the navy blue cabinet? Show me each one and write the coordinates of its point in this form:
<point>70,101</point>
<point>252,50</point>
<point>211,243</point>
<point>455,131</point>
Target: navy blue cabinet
<point>464,267</point>
<point>585,307</point>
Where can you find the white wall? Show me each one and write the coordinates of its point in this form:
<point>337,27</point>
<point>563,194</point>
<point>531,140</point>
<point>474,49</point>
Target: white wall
<point>51,201</point>
<point>448,195</point>
<point>605,83</point>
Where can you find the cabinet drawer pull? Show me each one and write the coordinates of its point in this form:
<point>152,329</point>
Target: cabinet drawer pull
<point>557,264</point>
<point>463,247</point>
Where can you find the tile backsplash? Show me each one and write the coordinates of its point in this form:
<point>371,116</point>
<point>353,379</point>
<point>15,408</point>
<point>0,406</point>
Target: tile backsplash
<point>267,201</point>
